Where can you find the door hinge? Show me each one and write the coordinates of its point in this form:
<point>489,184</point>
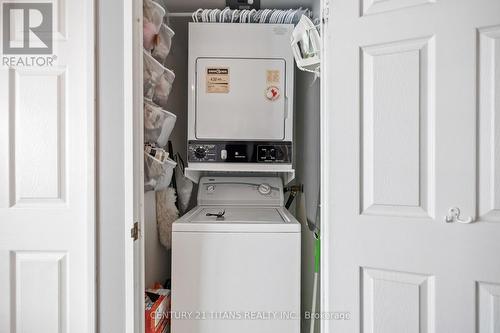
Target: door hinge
<point>135,231</point>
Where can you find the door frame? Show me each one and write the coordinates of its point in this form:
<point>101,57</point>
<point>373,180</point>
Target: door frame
<point>134,168</point>
<point>120,271</point>
<point>135,102</point>
<point>93,170</point>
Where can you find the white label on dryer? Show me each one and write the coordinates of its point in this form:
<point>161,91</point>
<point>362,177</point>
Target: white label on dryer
<point>217,80</point>
<point>273,76</point>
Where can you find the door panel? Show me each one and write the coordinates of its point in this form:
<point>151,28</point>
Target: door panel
<point>383,293</point>
<point>38,139</point>
<point>50,284</point>
<point>47,180</point>
<point>488,296</point>
<point>397,161</point>
<point>412,122</point>
<point>369,7</point>
<point>489,124</point>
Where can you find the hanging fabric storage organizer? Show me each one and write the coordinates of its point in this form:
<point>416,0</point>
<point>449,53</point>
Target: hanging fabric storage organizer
<point>152,21</point>
<point>163,44</point>
<point>158,80</point>
<point>158,124</point>
<point>152,72</point>
<point>157,173</point>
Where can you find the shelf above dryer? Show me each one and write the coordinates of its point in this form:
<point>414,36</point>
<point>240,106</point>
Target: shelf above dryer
<point>197,170</point>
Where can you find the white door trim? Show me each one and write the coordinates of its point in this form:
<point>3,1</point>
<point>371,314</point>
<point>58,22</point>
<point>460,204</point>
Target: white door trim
<point>325,167</point>
<point>133,101</point>
<point>138,137</point>
<point>120,126</point>
<point>134,169</point>
<point>134,174</point>
<point>92,164</point>
<point>128,139</point>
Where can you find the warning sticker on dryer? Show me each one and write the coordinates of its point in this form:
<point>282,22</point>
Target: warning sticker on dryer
<point>272,93</point>
<point>217,80</point>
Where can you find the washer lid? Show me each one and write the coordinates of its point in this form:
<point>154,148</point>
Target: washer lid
<point>238,219</point>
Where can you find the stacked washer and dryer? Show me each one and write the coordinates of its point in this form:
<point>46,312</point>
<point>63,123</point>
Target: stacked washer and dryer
<point>236,256</point>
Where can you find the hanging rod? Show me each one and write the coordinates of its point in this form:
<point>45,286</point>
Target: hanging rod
<point>182,14</point>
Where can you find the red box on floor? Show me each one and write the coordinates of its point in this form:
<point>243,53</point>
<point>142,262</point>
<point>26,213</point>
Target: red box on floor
<point>157,310</point>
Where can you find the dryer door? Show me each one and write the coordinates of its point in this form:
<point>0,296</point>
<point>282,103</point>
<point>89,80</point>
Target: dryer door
<point>240,99</point>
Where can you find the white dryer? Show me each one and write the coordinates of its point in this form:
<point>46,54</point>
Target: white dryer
<point>240,99</point>
<point>236,260</point>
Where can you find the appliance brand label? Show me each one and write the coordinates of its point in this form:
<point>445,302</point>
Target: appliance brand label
<point>218,80</point>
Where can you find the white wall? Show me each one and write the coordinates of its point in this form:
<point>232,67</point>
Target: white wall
<point>307,150</point>
<point>307,167</point>
<point>157,257</point>
<point>177,102</point>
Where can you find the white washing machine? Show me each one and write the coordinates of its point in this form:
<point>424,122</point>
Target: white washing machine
<point>236,260</point>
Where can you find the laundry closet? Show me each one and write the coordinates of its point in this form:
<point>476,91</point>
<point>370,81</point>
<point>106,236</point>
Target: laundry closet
<point>198,122</point>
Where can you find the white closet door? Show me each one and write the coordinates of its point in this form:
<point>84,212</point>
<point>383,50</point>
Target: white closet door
<point>412,130</point>
<point>47,176</point>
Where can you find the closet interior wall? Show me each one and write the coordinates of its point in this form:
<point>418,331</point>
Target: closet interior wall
<point>307,166</point>
<point>307,141</point>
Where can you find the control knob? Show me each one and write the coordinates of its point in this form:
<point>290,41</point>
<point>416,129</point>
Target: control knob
<point>200,153</point>
<point>264,189</point>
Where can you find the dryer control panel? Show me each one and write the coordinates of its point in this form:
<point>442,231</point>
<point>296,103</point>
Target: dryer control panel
<point>240,152</point>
